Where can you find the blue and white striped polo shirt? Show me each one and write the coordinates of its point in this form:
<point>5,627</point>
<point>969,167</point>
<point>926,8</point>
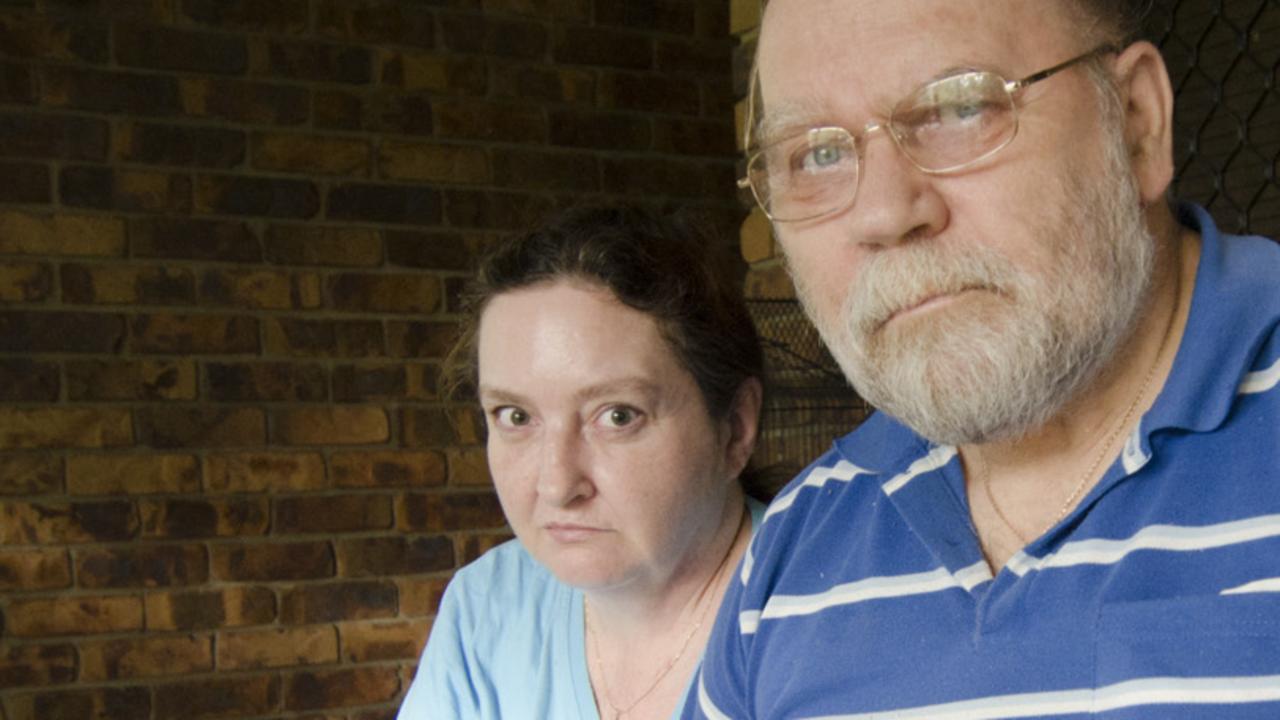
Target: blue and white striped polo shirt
<point>865,595</point>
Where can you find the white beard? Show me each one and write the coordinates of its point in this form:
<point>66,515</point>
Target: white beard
<point>999,366</point>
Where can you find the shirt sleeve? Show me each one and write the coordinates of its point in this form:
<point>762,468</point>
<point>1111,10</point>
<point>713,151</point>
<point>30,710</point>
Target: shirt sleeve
<point>443,687</point>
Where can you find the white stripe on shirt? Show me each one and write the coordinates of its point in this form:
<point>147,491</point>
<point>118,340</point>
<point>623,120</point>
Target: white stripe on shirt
<point>1261,381</point>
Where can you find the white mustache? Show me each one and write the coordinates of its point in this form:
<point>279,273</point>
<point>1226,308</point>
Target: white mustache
<point>901,278</point>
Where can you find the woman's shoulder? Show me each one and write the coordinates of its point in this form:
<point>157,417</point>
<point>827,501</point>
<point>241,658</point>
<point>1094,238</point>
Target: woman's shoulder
<point>504,578</point>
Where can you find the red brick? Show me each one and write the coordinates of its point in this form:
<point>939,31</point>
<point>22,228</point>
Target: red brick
<point>667,16</point>
<point>494,37</point>
<point>341,688</point>
<point>28,381</point>
<point>273,562</point>
<point>97,703</point>
<point>420,597</point>
<point>163,48</point>
<point>331,426</point>
<point>398,114</point>
<point>320,62</point>
<point>574,172</point>
<point>276,17</point>
<point>34,569</point>
<point>260,289</point>
<point>660,177</point>
<point>427,427</point>
<point>522,81</point>
<point>264,472</point>
<point>17,83</point>
<point>126,285</point>
<point>414,71</point>
<point>324,338</point>
<point>399,468</point>
<point>421,339</point>
<point>109,91</point>
<point>48,38</point>
<point>338,110</point>
<point>186,239</point>
<point>424,381</point>
<point>187,610</point>
<point>155,10</point>
<point>142,566</point>
<point>311,154</point>
<point>136,190</point>
<point>310,245</point>
<point>330,602</point>
<point>375,557</point>
<point>459,164</point>
<point>385,292</point>
<point>375,22</point>
<point>468,467</point>
<point>238,382</point>
<point>268,197</point>
<point>64,427</point>
<point>25,183</point>
<point>494,210</point>
<point>372,642</point>
<point>683,136</point>
<point>278,647</point>
<point>89,615</point>
<point>128,658</point>
<point>76,332</point>
<point>595,46</point>
<point>485,120</point>
<point>28,234</point>
<point>601,130</point>
<point>198,518</point>
<point>210,698</point>
<point>435,512</point>
<point>208,426</point>
<point>571,10</point>
<point>352,383</point>
<point>332,514</point>
<point>433,250</point>
<point>184,145</point>
<point>384,203</point>
<point>27,474</point>
<point>25,282</point>
<point>694,58</point>
<point>132,474</point>
<point>63,522</point>
<point>27,666</point>
<point>194,334</point>
<point>244,102</point>
<point>650,93</point>
<point>131,379</point>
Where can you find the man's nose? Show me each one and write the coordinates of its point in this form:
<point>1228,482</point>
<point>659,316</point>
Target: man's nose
<point>896,201</point>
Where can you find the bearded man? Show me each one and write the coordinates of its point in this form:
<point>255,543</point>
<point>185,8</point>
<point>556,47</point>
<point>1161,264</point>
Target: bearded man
<point>1069,503</point>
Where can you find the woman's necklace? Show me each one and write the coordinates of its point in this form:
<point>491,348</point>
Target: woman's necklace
<point>622,712</point>
<point>1107,441</point>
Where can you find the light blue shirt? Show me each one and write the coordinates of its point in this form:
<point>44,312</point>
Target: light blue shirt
<point>507,644</point>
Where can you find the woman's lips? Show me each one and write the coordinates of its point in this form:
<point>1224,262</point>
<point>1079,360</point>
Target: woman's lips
<point>571,532</point>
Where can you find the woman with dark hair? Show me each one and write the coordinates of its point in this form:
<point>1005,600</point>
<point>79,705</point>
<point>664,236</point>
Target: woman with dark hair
<point>620,378</point>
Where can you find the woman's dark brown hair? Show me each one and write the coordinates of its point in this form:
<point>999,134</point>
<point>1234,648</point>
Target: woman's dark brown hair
<point>663,265</point>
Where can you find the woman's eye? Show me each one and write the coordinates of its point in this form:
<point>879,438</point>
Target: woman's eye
<point>508,416</point>
<point>621,416</point>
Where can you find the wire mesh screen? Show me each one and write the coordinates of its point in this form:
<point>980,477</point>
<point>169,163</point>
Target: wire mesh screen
<point>809,403</point>
<point>1224,62</point>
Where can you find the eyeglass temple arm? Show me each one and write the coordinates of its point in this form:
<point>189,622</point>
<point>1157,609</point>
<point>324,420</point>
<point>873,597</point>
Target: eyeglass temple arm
<point>1015,85</point>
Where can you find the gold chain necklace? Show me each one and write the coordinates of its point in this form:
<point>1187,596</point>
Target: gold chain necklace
<point>619,713</point>
<point>1109,439</point>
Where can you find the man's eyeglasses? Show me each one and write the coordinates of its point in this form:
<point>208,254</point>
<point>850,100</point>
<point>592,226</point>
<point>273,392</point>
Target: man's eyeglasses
<point>944,126</point>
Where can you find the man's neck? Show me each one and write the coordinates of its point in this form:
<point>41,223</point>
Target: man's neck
<point>1020,488</point>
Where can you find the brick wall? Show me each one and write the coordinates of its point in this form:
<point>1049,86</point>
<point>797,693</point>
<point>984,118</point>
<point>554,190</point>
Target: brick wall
<point>231,235</point>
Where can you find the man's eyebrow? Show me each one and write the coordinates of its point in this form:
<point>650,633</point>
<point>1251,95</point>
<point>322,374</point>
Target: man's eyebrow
<point>783,121</point>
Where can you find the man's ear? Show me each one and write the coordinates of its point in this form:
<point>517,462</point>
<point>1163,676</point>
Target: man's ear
<point>1147,102</point>
<point>744,424</point>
